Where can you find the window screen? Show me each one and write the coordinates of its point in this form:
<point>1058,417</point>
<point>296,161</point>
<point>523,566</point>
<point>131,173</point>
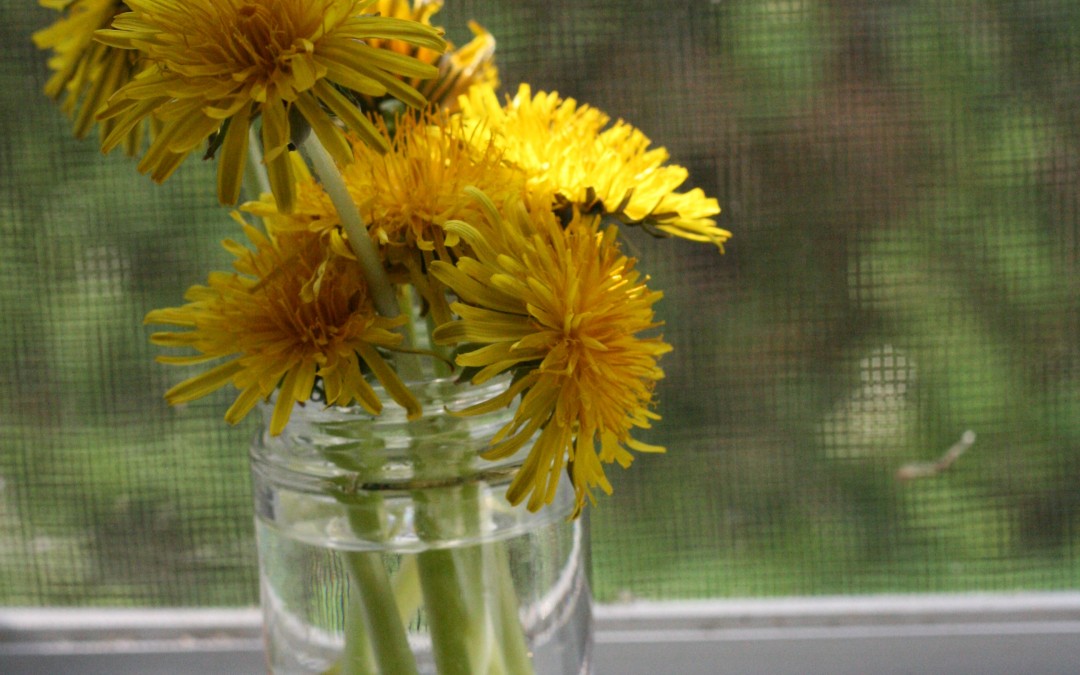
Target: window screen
<point>876,389</point>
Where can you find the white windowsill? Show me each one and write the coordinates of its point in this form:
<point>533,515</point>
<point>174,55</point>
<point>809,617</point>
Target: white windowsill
<point>1028,633</point>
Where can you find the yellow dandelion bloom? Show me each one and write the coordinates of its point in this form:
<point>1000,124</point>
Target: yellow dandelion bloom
<point>406,196</point>
<point>459,68</point>
<point>592,166</point>
<point>290,313</point>
<point>84,72</point>
<point>213,66</point>
<point>563,308</point>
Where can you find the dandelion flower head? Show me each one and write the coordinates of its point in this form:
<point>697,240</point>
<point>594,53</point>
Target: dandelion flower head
<point>566,311</point>
<point>407,195</point>
<point>213,66</point>
<point>86,73</point>
<point>288,314</point>
<point>592,165</point>
<point>459,68</point>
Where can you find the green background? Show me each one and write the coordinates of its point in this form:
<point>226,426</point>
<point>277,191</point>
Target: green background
<point>902,182</point>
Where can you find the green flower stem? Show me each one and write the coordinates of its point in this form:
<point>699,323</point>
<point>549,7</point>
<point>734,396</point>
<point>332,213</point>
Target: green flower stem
<point>377,604</point>
<point>407,589</point>
<point>448,615</point>
<point>374,642</point>
<point>382,291</point>
<point>406,307</point>
<point>357,656</point>
<point>512,648</point>
<point>385,631</point>
<point>453,580</point>
<point>468,591</point>
<point>463,584</point>
<point>442,363</point>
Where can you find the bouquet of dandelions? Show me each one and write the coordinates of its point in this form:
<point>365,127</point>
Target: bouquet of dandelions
<point>406,220</point>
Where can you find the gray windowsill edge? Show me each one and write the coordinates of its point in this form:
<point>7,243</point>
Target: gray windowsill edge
<point>984,633</point>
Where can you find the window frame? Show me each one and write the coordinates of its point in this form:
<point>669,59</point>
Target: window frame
<point>1029,632</point>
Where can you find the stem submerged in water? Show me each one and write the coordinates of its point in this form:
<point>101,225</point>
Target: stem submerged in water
<point>460,579</point>
<point>373,617</point>
<point>514,652</point>
<point>452,580</point>
<point>468,590</point>
<point>385,632</point>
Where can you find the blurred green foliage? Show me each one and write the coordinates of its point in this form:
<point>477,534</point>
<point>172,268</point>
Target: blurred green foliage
<point>903,183</point>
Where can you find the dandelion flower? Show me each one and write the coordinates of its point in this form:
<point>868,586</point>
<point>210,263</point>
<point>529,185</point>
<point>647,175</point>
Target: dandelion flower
<point>407,195</point>
<point>86,73</point>
<point>289,314</point>
<point>563,309</point>
<point>572,151</point>
<point>459,68</point>
<point>213,66</point>
<point>463,68</point>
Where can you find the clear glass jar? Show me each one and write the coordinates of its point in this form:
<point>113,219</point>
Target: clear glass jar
<point>388,546</point>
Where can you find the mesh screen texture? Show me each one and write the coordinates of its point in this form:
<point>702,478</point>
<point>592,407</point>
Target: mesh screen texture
<point>902,182</point>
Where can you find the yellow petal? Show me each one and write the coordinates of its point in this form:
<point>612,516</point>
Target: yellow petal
<point>203,384</point>
<point>243,404</point>
<point>389,379</point>
<point>233,157</point>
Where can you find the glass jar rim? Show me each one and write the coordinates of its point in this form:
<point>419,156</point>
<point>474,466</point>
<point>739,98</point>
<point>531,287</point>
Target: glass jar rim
<point>389,451</point>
